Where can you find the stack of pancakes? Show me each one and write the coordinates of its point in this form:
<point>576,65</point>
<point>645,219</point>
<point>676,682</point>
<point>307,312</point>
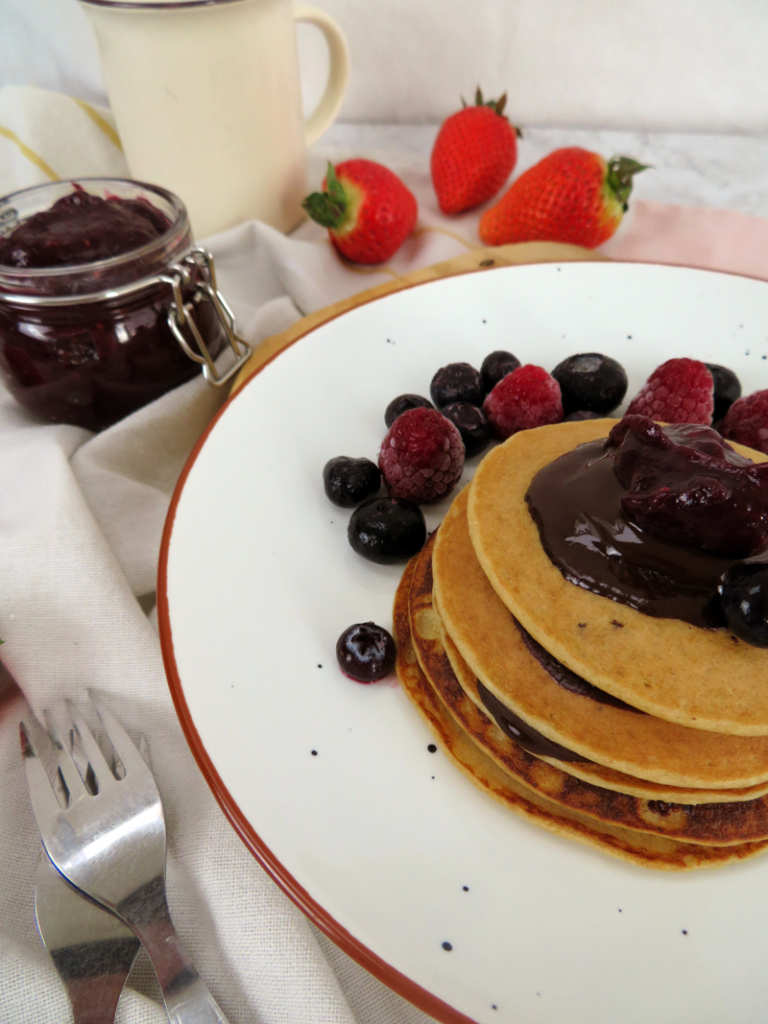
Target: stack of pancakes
<point>644,737</point>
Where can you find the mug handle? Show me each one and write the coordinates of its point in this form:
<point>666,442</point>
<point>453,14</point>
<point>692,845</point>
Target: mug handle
<point>338,75</point>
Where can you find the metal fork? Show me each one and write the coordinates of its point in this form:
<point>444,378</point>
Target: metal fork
<point>111,845</point>
<point>93,950</point>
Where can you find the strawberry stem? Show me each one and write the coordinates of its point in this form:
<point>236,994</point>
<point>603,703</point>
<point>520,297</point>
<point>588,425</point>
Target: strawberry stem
<point>621,170</point>
<point>328,208</point>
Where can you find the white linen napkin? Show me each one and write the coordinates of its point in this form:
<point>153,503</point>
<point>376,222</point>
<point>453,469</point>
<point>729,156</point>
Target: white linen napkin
<point>81,517</point>
<point>80,523</point>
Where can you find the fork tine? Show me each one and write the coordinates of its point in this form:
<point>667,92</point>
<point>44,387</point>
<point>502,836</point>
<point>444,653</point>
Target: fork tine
<point>45,806</point>
<point>119,738</point>
<point>91,748</point>
<point>69,770</point>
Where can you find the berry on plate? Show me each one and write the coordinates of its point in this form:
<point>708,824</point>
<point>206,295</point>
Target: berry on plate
<point>496,366</point>
<point>348,481</point>
<point>727,389</point>
<point>526,398</point>
<point>474,153</point>
<point>744,598</point>
<point>746,422</point>
<point>366,652</point>
<point>387,530</point>
<point>402,404</point>
<point>422,456</point>
<point>571,195</point>
<point>456,382</point>
<point>472,425</point>
<point>367,209</point>
<point>590,382</point>
<point>678,391</point>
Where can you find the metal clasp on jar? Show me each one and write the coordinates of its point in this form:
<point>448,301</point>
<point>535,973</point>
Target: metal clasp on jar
<point>181,314</point>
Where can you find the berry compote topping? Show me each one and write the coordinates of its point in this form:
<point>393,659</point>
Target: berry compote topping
<point>348,481</point>
<point>727,389</point>
<point>686,484</point>
<point>472,425</point>
<point>82,228</point>
<point>588,520</point>
<point>366,652</point>
<point>387,530</point>
<point>457,382</point>
<point>590,382</point>
<point>422,456</point>
<point>402,404</point>
<point>495,367</point>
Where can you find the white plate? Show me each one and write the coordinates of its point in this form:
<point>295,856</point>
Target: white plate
<point>373,835</point>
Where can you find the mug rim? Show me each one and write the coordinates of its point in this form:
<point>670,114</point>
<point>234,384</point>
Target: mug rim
<point>155,5</point>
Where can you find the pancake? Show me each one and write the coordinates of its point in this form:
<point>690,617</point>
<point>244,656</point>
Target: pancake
<point>704,679</point>
<point>636,745</point>
<point>595,773</point>
<point>645,850</point>
<point>716,824</point>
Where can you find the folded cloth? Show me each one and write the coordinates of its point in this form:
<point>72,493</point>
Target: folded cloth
<point>81,521</point>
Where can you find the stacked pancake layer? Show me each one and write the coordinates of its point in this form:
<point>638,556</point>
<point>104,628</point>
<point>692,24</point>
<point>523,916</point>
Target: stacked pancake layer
<point>670,772</point>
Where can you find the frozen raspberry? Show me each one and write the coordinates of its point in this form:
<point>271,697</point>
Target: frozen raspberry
<point>678,391</point>
<point>747,421</point>
<point>422,456</point>
<point>528,397</point>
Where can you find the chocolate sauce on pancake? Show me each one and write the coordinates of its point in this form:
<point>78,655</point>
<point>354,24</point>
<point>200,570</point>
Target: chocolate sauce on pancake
<point>567,679</point>
<point>519,731</point>
<point>575,502</point>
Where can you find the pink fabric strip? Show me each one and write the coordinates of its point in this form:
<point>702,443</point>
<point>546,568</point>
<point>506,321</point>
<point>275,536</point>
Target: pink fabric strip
<point>693,237</point>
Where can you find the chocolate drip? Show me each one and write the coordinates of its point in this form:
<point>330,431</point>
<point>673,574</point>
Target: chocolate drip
<point>567,679</point>
<point>519,731</point>
<point>575,502</point>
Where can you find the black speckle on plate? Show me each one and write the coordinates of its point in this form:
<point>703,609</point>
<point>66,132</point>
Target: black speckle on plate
<point>432,748</point>
<point>314,753</point>
<point>447,947</point>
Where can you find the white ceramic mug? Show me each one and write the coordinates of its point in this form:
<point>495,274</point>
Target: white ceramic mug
<point>207,100</point>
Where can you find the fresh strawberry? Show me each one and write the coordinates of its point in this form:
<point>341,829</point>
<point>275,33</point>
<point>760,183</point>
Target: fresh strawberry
<point>571,195</point>
<point>678,391</point>
<point>474,153</point>
<point>367,209</point>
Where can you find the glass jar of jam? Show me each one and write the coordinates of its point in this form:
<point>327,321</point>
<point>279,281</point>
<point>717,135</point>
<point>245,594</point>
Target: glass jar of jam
<point>105,302</point>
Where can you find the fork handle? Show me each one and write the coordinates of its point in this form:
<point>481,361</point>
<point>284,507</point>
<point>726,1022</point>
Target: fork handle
<point>186,998</point>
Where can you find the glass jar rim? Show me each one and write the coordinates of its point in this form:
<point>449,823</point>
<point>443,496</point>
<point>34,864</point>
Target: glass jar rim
<point>179,224</point>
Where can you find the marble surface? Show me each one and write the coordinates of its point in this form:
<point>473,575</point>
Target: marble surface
<point>719,171</point>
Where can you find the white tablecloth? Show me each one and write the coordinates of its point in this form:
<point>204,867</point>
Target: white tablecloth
<point>80,523</point>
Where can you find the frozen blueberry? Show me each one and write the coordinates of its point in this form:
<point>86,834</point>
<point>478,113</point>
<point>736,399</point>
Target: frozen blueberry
<point>387,530</point>
<point>744,597</point>
<point>495,366</point>
<point>472,425</point>
<point>727,389</point>
<point>366,652</point>
<point>402,404</point>
<point>349,481</point>
<point>590,382</point>
<point>457,382</point>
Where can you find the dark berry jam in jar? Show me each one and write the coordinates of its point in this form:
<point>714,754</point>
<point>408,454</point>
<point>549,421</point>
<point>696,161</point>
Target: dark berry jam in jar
<point>105,302</point>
